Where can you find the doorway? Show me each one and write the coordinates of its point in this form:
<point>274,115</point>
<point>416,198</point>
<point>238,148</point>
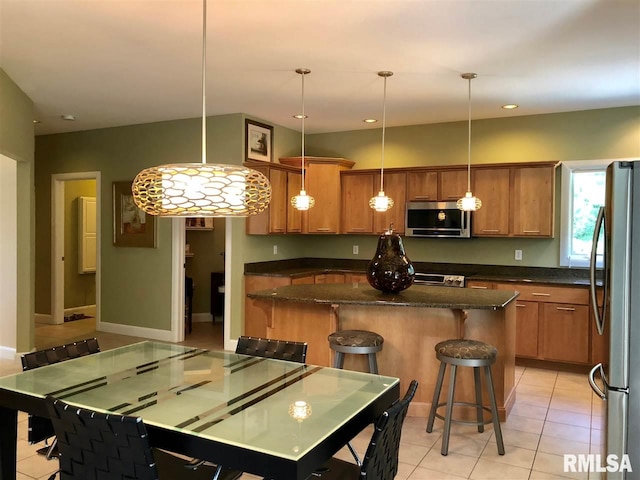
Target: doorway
<point>75,239</point>
<point>8,263</point>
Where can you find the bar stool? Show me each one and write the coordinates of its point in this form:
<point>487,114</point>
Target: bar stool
<point>360,342</point>
<point>465,353</point>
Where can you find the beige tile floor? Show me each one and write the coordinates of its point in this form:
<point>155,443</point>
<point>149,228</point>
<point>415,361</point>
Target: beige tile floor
<point>555,413</point>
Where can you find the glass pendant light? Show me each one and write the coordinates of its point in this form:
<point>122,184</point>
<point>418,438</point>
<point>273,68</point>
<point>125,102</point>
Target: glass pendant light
<point>469,203</point>
<point>380,202</point>
<point>302,201</point>
<point>201,189</point>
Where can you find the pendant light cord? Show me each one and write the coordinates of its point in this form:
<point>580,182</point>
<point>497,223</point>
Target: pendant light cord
<point>384,122</point>
<point>204,81</point>
<point>303,117</point>
<point>469,143</point>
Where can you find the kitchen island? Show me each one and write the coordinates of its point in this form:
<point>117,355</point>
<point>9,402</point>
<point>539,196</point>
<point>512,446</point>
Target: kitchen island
<point>411,322</point>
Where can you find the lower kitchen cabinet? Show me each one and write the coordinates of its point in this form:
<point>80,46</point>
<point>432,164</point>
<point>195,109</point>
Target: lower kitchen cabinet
<point>566,332</point>
<point>527,329</point>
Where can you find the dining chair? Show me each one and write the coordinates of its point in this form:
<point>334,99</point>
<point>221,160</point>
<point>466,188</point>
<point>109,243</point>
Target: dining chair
<point>100,446</point>
<point>381,459</point>
<point>40,429</point>
<point>271,348</point>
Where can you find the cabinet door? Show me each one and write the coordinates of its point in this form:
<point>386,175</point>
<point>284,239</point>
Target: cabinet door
<point>329,278</point>
<point>278,205</point>
<point>452,185</point>
<point>565,332</point>
<point>294,217</point>
<point>422,186</point>
<point>255,317</point>
<point>527,329</point>
<point>355,278</point>
<point>308,279</point>
<point>491,185</point>
<point>532,203</point>
<point>357,216</point>
<point>395,186</point>
<point>323,183</point>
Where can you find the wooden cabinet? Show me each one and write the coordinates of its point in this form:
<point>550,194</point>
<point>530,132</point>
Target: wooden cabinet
<point>322,182</point>
<point>255,317</point>
<point>436,185</point>
<point>355,278</point>
<point>532,201</point>
<point>395,186</point>
<point>329,278</point>
<point>307,279</point>
<point>357,215</point>
<point>294,216</point>
<point>491,185</point>
<point>552,322</point>
<point>276,218</point>
<point>480,285</point>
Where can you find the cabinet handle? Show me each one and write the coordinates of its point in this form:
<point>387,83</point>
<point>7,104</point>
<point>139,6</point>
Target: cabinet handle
<point>530,231</point>
<point>566,309</point>
<point>490,231</point>
<point>535,294</point>
<point>422,197</point>
<point>359,229</point>
<point>520,305</point>
<point>324,229</point>
<point>480,287</point>
<point>455,196</point>
<point>278,229</point>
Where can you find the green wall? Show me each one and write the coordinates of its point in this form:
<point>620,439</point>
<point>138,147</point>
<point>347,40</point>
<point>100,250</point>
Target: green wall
<point>16,142</point>
<point>79,288</point>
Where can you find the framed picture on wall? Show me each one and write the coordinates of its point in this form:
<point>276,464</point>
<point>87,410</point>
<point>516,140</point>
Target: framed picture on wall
<point>259,141</point>
<point>131,226</point>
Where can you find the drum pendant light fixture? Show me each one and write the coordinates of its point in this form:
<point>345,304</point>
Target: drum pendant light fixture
<point>201,189</point>
<point>302,201</point>
<point>469,203</point>
<point>382,203</point>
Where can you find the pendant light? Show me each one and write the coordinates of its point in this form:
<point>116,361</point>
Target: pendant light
<point>302,201</point>
<point>469,203</point>
<point>380,202</point>
<point>201,189</point>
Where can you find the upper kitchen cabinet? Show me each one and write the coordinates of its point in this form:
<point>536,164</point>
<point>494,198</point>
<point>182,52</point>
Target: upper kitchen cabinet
<point>517,200</point>
<point>395,186</point>
<point>532,200</point>
<point>322,181</point>
<point>294,216</point>
<point>275,218</point>
<point>436,185</point>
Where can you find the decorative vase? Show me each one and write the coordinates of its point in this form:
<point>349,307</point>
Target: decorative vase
<point>390,270</point>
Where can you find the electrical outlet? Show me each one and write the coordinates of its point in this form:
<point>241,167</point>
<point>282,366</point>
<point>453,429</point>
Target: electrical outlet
<point>275,249</point>
<point>518,254</point>
<point>356,249</point>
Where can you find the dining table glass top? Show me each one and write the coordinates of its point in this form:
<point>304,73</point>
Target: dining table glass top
<point>277,407</point>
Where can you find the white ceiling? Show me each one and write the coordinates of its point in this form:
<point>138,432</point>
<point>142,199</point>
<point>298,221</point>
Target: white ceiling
<point>122,62</point>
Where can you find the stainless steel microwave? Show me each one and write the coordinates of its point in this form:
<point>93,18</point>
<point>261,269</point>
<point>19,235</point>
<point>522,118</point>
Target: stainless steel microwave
<point>437,219</point>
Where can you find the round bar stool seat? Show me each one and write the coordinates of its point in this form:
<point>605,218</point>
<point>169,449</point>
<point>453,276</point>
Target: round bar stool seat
<point>465,353</point>
<point>360,342</point>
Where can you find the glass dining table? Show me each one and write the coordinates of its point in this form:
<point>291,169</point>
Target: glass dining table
<point>273,418</point>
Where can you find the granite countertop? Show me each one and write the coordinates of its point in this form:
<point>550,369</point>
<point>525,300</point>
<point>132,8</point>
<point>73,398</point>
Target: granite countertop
<point>297,272</point>
<point>415,296</point>
<point>554,280</point>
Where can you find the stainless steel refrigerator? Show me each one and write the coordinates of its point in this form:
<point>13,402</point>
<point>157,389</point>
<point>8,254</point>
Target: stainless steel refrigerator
<point>617,381</point>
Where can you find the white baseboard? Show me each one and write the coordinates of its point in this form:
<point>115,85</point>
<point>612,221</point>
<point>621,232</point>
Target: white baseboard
<point>7,353</point>
<point>201,318</point>
<point>133,331</point>
<point>44,318</point>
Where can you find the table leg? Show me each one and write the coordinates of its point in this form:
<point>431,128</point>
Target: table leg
<point>8,443</point>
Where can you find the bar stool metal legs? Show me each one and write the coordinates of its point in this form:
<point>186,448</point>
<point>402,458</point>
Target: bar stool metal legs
<point>465,353</point>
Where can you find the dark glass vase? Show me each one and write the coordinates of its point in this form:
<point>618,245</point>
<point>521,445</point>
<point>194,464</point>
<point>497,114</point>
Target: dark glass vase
<point>390,270</point>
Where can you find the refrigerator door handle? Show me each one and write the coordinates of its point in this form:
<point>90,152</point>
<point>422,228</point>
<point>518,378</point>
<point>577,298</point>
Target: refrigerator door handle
<point>599,319</point>
<point>592,381</point>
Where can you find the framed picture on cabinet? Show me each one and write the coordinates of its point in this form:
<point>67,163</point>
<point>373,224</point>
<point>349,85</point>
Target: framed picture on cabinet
<point>131,226</point>
<point>259,141</point>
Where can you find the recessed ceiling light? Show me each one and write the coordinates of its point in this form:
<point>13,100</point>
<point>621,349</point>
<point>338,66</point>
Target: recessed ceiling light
<point>300,117</point>
<point>370,120</point>
<point>509,106</point>
<point>69,118</point>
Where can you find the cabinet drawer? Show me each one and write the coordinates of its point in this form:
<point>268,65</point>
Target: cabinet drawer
<point>545,293</point>
<point>480,285</point>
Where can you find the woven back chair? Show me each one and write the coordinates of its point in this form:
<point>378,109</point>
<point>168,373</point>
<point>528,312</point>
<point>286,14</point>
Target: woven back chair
<point>381,460</point>
<point>40,428</point>
<point>270,348</point>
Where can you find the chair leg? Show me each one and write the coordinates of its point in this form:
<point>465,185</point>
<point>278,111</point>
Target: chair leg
<point>480,416</point>
<point>373,363</point>
<point>436,398</point>
<point>447,418</point>
<point>338,361</point>
<point>494,411</point>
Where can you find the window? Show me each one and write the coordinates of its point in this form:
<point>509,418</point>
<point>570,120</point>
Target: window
<point>583,192</point>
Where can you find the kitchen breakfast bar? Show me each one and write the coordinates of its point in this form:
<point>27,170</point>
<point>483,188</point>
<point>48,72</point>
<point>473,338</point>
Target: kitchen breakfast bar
<point>412,322</point>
